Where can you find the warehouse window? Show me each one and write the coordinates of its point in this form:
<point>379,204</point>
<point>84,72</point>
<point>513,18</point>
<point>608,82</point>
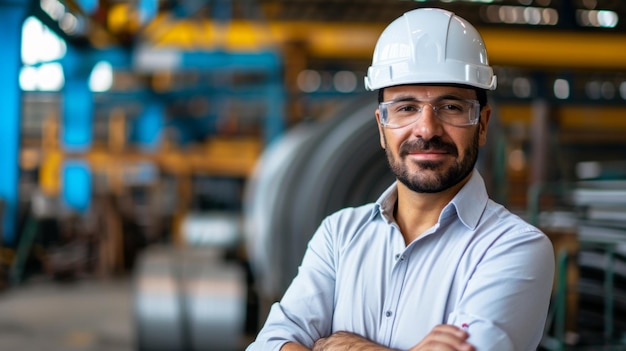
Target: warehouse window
<point>101,78</point>
<point>41,50</point>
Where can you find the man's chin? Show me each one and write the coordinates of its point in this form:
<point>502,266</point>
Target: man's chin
<point>423,185</point>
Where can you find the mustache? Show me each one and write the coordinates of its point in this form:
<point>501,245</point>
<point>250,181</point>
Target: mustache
<point>434,144</point>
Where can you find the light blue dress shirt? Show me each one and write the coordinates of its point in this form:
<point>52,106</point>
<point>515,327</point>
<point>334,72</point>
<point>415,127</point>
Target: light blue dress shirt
<point>479,266</point>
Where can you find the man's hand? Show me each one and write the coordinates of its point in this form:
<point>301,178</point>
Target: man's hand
<point>444,337</point>
<point>290,346</point>
<point>344,341</point>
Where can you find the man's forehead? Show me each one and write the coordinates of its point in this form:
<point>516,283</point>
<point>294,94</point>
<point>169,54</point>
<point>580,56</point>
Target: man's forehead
<point>429,90</point>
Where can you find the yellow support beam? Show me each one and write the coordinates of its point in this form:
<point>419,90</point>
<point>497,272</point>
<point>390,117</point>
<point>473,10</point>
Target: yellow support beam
<point>512,47</point>
<point>552,48</point>
<point>570,116</point>
<point>219,156</point>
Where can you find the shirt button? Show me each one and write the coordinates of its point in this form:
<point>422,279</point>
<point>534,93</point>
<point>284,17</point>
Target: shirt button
<point>388,313</point>
<point>397,256</point>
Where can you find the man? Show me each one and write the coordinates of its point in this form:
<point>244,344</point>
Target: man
<point>434,264</point>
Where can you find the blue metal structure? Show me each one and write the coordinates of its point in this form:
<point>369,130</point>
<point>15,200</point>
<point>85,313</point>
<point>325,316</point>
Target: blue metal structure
<point>77,120</point>
<point>12,15</point>
<point>77,184</point>
<point>147,129</point>
<point>77,106</point>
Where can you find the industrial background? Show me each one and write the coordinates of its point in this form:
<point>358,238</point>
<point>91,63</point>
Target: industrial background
<point>163,163</point>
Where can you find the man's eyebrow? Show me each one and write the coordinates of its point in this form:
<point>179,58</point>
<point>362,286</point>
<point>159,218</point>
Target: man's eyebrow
<point>406,98</point>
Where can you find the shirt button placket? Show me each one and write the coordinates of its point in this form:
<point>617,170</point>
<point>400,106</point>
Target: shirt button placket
<point>391,302</point>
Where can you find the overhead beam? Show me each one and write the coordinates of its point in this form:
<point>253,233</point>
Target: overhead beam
<point>556,49</point>
<point>549,48</point>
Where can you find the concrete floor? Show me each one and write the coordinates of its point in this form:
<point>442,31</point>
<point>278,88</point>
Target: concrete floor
<point>78,316</point>
<point>84,315</point>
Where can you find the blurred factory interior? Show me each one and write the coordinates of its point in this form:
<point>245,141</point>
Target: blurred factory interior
<point>180,153</point>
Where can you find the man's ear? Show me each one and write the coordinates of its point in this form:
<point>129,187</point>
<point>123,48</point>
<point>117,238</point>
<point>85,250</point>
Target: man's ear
<point>483,124</point>
<point>380,130</point>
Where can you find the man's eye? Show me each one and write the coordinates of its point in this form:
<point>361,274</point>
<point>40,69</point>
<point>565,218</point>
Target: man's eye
<point>451,107</point>
<point>407,108</point>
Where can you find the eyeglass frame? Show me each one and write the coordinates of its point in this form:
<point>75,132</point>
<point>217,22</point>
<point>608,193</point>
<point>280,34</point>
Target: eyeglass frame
<point>384,111</point>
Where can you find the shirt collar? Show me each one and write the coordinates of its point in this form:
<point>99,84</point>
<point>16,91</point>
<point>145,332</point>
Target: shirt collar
<point>386,203</point>
<point>469,203</point>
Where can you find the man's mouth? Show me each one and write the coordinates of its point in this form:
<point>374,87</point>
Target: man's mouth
<point>431,147</point>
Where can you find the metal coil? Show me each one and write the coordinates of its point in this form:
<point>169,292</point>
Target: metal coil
<point>188,299</point>
<point>312,171</point>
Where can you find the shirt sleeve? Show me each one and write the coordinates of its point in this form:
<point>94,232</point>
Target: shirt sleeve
<point>305,312</point>
<point>505,304</point>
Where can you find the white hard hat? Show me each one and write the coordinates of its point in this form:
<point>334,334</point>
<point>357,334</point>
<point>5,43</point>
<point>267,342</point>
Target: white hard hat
<point>430,46</point>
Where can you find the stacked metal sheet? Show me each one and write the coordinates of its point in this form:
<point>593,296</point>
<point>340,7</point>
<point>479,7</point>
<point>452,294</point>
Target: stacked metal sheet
<point>600,201</point>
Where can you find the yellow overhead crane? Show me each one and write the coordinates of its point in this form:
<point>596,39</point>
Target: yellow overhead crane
<point>551,48</point>
<point>528,47</point>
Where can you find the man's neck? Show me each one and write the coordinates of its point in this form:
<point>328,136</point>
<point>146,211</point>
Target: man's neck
<point>416,212</point>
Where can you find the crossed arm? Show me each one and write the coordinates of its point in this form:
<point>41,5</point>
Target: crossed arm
<point>442,338</point>
<point>504,302</point>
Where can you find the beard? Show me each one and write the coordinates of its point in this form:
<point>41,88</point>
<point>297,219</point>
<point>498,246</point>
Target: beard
<point>422,182</point>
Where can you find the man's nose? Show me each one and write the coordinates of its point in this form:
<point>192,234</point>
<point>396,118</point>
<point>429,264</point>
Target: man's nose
<point>428,124</point>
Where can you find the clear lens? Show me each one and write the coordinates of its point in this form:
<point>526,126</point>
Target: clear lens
<point>456,112</point>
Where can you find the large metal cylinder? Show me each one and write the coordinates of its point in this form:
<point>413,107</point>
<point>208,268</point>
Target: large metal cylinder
<point>314,170</point>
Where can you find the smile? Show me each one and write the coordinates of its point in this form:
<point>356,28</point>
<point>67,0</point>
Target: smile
<point>427,156</point>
